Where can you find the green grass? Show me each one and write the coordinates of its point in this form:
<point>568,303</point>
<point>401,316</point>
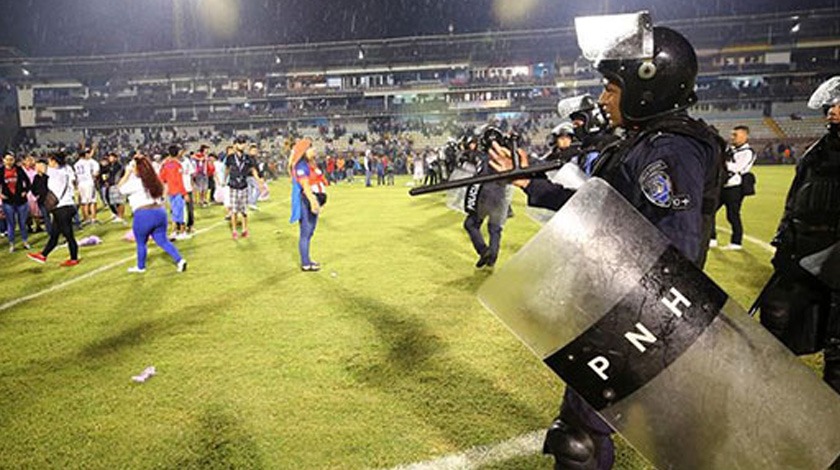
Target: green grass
<point>383,358</point>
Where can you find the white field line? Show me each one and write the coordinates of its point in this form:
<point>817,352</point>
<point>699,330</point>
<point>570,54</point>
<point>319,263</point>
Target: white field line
<point>526,444</point>
<point>82,277</point>
<point>766,246</point>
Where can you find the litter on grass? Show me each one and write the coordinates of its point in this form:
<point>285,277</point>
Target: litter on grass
<point>147,373</point>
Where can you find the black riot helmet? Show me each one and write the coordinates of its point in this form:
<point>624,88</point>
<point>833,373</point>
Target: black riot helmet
<point>659,85</point>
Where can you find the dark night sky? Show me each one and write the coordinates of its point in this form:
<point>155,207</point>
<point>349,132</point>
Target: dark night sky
<point>85,27</point>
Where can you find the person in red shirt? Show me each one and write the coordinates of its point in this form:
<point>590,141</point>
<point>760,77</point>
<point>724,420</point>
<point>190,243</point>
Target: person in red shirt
<point>15,186</point>
<point>308,197</point>
<point>171,174</point>
<point>211,176</point>
<point>331,169</point>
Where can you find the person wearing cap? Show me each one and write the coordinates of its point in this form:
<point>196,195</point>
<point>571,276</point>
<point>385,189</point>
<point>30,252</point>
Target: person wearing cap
<point>238,166</point>
<point>669,167</point>
<point>308,196</point>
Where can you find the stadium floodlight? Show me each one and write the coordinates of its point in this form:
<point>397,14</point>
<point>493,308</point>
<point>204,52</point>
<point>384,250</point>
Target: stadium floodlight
<point>795,28</point>
<point>25,72</point>
<point>361,53</point>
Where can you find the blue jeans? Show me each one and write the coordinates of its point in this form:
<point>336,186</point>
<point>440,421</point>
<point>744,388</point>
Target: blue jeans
<point>22,213</point>
<point>47,218</point>
<point>308,221</point>
<point>367,177</point>
<point>152,222</point>
<point>176,204</point>
<point>253,190</point>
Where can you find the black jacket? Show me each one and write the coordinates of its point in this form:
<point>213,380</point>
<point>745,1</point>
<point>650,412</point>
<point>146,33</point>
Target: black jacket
<point>39,187</point>
<point>21,187</point>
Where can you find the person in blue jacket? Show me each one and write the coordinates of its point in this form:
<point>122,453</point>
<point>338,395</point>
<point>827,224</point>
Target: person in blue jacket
<point>668,166</point>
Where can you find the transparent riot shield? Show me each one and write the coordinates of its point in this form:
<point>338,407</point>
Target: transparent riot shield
<point>569,176</point>
<point>495,204</point>
<point>657,349</point>
<point>827,94</point>
<point>455,198</point>
<point>624,36</point>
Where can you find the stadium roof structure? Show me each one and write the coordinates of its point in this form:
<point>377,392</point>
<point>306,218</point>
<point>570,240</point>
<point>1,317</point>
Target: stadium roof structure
<point>772,31</point>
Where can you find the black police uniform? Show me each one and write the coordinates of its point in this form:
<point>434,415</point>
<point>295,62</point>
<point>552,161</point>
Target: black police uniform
<point>665,171</point>
<point>799,309</point>
<point>485,201</point>
<point>670,168</point>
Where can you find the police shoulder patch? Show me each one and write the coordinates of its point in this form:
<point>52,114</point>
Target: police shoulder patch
<point>656,184</point>
<point>658,188</point>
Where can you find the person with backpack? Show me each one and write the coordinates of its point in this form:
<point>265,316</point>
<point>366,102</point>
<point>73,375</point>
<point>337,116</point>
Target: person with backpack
<point>60,181</point>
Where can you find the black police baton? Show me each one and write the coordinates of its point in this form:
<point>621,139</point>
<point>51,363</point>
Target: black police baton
<point>516,173</point>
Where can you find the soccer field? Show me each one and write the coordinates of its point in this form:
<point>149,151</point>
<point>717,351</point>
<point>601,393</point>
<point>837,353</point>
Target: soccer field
<point>383,358</point>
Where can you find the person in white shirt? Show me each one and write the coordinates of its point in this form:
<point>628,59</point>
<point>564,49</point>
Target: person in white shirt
<point>87,172</point>
<point>144,191</point>
<point>188,173</point>
<point>739,161</point>
<point>368,163</point>
<point>60,179</point>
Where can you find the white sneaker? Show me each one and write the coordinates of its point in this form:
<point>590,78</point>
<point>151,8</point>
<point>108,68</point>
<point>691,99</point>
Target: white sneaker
<point>713,243</point>
<point>173,236</point>
<point>117,220</point>
<point>12,249</point>
<point>732,247</point>
<point>254,207</point>
<point>182,265</point>
<point>136,270</point>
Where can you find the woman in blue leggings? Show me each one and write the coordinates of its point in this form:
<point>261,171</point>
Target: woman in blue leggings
<point>144,191</point>
<point>308,196</point>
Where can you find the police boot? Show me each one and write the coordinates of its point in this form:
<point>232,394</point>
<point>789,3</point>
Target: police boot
<point>572,447</point>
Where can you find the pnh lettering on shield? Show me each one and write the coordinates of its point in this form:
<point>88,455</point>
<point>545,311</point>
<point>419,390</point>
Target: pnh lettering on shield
<point>642,336</point>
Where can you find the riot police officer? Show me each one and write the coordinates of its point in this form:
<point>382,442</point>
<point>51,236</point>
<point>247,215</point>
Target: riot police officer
<point>563,142</point>
<point>800,308</point>
<point>484,201</point>
<point>668,166</point>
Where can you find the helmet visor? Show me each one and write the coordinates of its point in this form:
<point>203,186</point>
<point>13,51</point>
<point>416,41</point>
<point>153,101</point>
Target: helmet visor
<point>573,104</point>
<point>828,94</point>
<point>615,37</point>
